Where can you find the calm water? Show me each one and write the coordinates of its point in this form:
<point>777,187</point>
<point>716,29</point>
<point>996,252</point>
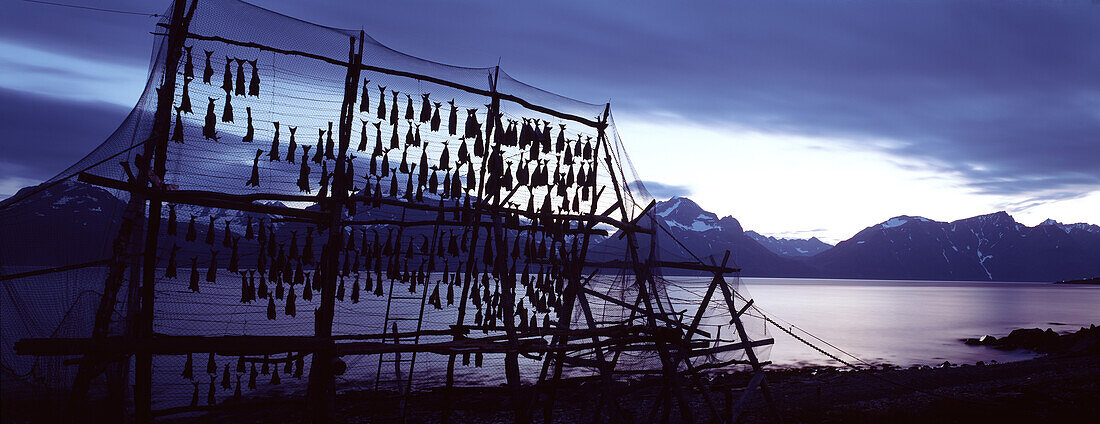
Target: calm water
<point>899,322</point>
<point>916,322</point>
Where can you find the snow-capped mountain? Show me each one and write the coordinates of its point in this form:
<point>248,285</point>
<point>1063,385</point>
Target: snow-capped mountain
<point>705,234</point>
<point>790,247</point>
<point>985,247</point>
<point>77,213</point>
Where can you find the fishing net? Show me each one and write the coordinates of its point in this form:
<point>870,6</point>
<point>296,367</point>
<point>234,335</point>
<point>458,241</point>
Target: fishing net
<point>456,218</point>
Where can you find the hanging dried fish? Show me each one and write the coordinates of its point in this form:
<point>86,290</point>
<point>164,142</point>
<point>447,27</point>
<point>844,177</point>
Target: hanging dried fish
<point>355,289</point>
<point>394,141</point>
<point>364,100</point>
<point>329,145</point>
<point>473,128</point>
<point>381,103</point>
<point>210,232</point>
<point>319,154</point>
<point>274,152</point>
<point>177,130</point>
<point>544,136</point>
<point>254,82</point>
<point>227,77</point>
<point>393,184</point>
<point>188,67</point>
<point>191,234</point>
<point>423,180</point>
<point>362,137</point>
<point>255,180</point>
<point>227,111</point>
<point>303,173</point>
<point>292,146</point>
<point>240,90</point>
<point>446,186</point>
<point>409,112</point>
<point>208,130</point>
<point>270,310</point>
<point>188,368</point>
<point>435,121</point>
<point>463,153</point>
<point>207,72</point>
<point>170,272</point>
<point>252,374</point>
<point>171,220</point>
<point>250,132</point>
<point>393,108</point>
<point>480,147</point>
<point>452,119</point>
<point>212,270</point>
<point>290,300</point>
<point>185,99</point>
<point>416,136</point>
<point>434,298</point>
<point>499,131</point>
<point>194,285</point>
<point>385,167</point>
<point>323,191</point>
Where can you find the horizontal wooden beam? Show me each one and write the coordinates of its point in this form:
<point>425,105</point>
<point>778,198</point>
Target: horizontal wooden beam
<point>202,198</point>
<point>430,223</point>
<point>17,275</point>
<point>421,77</point>
<point>733,347</point>
<point>529,341</point>
<point>659,317</point>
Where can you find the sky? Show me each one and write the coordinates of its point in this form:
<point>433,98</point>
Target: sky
<point>797,118</point>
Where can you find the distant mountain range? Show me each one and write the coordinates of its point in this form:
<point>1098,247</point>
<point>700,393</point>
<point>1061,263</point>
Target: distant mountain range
<point>790,247</point>
<point>986,247</point>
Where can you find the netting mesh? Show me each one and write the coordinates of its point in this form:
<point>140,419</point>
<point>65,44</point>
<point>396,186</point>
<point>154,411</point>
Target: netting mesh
<point>452,210</point>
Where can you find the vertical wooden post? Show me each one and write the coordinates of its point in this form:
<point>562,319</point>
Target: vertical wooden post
<point>322,384</point>
<point>644,276</point>
<point>157,151</point>
<point>471,258</point>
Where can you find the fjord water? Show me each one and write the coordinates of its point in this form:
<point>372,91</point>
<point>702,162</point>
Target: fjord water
<point>915,322</point>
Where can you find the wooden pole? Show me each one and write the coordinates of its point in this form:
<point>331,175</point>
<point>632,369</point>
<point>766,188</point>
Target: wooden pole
<point>157,150</point>
<point>322,384</point>
<point>471,258</point>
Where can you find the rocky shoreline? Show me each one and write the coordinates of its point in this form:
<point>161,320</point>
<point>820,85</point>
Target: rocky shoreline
<point>1063,385</point>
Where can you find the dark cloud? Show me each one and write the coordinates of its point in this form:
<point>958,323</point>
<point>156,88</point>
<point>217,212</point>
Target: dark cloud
<point>41,136</point>
<point>661,190</point>
<point>1004,95</point>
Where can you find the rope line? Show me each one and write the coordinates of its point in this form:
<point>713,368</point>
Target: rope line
<point>96,9</point>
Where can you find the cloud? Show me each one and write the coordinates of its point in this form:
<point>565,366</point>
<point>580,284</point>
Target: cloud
<point>1000,96</point>
<point>43,135</point>
<point>661,190</point>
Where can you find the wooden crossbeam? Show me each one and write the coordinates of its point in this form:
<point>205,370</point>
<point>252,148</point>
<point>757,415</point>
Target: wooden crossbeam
<point>261,345</point>
<point>636,309</point>
<point>406,74</point>
<point>201,198</point>
<point>733,347</point>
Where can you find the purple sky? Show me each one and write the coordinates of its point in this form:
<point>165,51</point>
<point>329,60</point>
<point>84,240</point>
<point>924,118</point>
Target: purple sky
<point>997,102</point>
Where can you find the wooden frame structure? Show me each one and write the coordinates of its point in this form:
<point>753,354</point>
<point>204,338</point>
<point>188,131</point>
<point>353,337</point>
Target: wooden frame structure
<point>649,329</point>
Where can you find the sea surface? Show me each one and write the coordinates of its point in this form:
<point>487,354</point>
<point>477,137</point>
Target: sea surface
<point>914,322</point>
<point>898,322</point>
